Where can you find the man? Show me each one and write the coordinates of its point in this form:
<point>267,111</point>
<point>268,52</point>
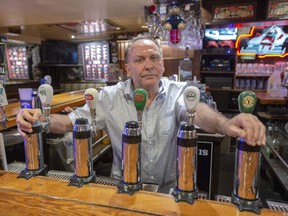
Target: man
<point>161,116</point>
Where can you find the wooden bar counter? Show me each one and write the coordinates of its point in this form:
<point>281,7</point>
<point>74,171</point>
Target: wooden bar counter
<point>265,99</point>
<point>45,196</point>
<point>59,102</point>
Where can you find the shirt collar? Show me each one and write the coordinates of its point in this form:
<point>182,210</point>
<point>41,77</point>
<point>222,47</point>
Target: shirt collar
<point>129,90</point>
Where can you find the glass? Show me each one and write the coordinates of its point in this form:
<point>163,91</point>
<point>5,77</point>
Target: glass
<point>249,68</point>
<point>261,68</point>
<point>238,68</point>
<point>255,68</point>
<point>244,68</point>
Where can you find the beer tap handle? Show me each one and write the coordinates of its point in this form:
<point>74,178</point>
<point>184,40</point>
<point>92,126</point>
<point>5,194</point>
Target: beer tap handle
<point>91,97</point>
<point>140,98</point>
<point>247,101</point>
<point>191,96</point>
<point>45,93</point>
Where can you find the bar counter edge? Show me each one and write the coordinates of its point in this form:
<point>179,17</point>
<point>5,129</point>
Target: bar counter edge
<point>42,195</point>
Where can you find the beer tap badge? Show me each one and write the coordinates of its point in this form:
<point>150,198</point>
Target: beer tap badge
<point>190,96</point>
<point>89,96</point>
<point>248,101</point>
<point>140,98</point>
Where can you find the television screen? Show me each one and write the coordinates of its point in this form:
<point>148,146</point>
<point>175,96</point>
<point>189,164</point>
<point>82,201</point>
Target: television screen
<point>221,34</point>
<point>220,37</point>
<point>59,52</point>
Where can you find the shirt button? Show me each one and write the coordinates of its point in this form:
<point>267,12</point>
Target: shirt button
<point>150,143</point>
<point>152,177</point>
<point>151,160</point>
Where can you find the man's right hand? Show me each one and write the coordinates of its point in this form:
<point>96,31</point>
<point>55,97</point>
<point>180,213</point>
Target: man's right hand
<point>25,118</point>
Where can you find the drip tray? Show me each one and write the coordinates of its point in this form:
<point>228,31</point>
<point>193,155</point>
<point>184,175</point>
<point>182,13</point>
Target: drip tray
<point>277,206</point>
<point>221,198</point>
<point>17,167</point>
<point>67,175</point>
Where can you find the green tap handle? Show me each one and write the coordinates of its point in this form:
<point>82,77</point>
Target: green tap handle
<point>140,98</point>
<point>247,101</point>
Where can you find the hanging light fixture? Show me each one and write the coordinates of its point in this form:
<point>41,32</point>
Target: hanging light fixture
<point>176,23</point>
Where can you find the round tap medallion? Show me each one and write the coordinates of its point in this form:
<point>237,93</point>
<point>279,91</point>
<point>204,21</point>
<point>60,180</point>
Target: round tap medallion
<point>190,96</point>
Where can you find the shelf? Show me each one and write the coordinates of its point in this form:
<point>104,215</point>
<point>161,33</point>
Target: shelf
<point>252,75</point>
<point>217,72</point>
<point>60,65</point>
<point>253,90</point>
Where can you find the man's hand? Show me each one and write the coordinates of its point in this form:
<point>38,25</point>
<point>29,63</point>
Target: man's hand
<point>25,118</point>
<point>246,126</point>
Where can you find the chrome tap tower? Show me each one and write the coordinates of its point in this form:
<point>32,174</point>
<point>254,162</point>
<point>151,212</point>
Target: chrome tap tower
<point>33,142</point>
<point>247,165</point>
<point>186,189</point>
<point>131,143</point>
<point>82,143</point>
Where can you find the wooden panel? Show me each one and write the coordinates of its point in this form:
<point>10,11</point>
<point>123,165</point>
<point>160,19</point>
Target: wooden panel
<point>44,196</point>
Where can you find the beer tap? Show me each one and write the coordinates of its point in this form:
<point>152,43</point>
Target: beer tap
<point>91,97</point>
<point>82,147</point>
<point>140,98</point>
<point>131,155</point>
<point>33,142</point>
<point>186,189</point>
<point>245,193</point>
<point>45,93</point>
<point>82,143</point>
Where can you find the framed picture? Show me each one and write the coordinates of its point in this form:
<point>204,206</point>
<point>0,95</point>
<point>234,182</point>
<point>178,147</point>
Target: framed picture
<point>234,12</point>
<point>277,9</point>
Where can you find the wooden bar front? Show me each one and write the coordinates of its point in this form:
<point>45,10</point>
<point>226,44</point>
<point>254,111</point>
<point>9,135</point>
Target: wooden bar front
<point>45,196</point>
<point>59,102</point>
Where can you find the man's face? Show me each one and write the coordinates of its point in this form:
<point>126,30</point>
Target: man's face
<point>145,65</point>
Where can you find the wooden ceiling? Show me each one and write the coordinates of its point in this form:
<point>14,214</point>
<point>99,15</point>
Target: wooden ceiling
<point>37,17</point>
<point>43,19</point>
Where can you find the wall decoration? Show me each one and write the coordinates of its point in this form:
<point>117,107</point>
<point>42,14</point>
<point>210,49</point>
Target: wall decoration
<point>277,9</point>
<point>233,12</point>
<point>177,23</point>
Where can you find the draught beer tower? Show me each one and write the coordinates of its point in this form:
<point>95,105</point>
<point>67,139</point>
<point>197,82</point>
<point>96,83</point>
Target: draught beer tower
<point>33,142</point>
<point>247,164</point>
<point>186,189</point>
<point>82,143</point>
<point>131,140</point>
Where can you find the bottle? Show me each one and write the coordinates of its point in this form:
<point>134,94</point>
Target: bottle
<point>269,136</point>
<point>275,141</point>
<point>274,84</point>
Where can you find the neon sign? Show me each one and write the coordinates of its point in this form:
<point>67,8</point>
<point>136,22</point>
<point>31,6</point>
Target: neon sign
<point>263,42</point>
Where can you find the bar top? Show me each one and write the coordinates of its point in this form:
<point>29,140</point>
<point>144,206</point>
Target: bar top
<point>45,196</point>
<point>265,99</point>
<point>59,102</point>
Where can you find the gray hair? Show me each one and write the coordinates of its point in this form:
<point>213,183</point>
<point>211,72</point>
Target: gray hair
<point>142,37</point>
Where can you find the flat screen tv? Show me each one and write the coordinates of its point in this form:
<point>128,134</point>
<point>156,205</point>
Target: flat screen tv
<point>220,37</point>
<point>59,52</point>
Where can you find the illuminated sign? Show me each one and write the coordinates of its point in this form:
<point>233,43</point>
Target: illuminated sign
<point>263,42</point>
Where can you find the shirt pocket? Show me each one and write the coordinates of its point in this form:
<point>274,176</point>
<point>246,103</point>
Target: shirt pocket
<point>167,123</point>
